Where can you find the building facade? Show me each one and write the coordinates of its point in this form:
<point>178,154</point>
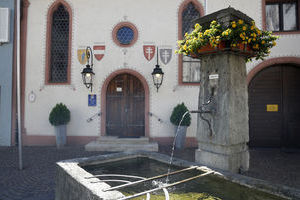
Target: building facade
<point>124,36</point>
<point>7,86</point>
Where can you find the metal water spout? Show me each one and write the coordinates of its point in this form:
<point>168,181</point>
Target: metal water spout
<point>202,110</point>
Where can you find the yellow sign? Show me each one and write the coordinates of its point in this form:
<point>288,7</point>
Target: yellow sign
<point>272,107</point>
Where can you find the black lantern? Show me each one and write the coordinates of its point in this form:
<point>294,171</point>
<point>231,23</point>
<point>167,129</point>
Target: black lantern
<point>157,74</point>
<point>87,72</point>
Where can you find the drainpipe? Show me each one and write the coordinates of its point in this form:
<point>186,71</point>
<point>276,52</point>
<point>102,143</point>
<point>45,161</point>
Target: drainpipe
<point>205,5</point>
<point>19,86</point>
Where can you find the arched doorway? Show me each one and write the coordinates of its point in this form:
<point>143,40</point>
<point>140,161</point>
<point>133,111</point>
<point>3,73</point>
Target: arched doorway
<point>125,106</point>
<point>274,107</point>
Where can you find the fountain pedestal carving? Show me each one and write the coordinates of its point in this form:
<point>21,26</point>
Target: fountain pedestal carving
<point>223,144</point>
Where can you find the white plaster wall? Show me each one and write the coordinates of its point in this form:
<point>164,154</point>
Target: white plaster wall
<point>93,22</point>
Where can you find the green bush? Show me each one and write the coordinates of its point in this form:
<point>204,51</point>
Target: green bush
<point>177,114</point>
<point>59,115</point>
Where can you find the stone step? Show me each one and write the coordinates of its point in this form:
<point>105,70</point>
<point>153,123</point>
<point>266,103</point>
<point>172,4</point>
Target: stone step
<point>117,140</point>
<point>125,146</point>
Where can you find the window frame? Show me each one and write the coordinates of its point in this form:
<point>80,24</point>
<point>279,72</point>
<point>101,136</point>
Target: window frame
<point>51,10</point>
<point>280,4</point>
<point>182,7</point>
<point>121,25</point>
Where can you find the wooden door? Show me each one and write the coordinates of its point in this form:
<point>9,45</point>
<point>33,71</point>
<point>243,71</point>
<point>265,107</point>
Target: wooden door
<point>291,101</point>
<point>125,107</point>
<point>277,86</point>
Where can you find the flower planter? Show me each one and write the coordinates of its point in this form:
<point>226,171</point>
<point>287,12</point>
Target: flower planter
<point>61,135</point>
<point>223,46</point>
<point>180,137</point>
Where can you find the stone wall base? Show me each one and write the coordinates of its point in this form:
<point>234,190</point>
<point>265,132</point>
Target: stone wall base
<point>229,159</point>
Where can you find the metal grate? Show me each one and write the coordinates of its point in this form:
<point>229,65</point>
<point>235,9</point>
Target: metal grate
<point>59,46</point>
<point>125,35</point>
<point>188,15</point>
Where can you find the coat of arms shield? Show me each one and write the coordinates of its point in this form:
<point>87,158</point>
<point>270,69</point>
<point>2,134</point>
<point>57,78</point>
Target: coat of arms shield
<point>149,51</point>
<point>81,55</point>
<point>165,55</point>
<point>99,51</point>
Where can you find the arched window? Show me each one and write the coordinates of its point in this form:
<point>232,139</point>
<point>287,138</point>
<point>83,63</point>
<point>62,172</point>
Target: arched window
<point>58,44</point>
<point>189,69</point>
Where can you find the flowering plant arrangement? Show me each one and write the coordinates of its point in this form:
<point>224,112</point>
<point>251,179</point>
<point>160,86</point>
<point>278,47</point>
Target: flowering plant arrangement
<point>236,34</point>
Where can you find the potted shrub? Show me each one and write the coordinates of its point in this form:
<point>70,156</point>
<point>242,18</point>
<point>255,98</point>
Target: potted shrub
<point>180,131</point>
<point>59,117</point>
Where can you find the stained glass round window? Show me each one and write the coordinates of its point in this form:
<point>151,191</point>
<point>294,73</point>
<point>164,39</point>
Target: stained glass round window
<point>125,35</point>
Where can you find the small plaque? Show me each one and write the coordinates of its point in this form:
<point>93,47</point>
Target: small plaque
<point>213,76</point>
<point>272,107</point>
<point>119,89</point>
<point>92,100</point>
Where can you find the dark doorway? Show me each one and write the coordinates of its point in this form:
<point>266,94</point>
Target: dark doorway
<point>125,107</point>
<point>274,107</point>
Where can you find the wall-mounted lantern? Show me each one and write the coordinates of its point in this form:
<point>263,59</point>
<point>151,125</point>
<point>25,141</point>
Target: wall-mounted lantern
<point>87,73</point>
<point>157,74</point>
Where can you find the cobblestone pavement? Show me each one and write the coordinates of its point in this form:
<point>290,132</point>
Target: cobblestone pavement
<point>36,180</point>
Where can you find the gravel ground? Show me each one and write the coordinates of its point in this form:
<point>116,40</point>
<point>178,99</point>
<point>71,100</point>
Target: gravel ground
<point>36,180</point>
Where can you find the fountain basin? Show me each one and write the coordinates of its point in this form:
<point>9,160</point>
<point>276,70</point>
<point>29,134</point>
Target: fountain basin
<point>73,182</point>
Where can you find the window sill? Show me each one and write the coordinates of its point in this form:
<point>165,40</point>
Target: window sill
<point>286,32</point>
<point>189,84</point>
<point>49,83</point>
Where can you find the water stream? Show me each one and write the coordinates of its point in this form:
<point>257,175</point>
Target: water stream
<point>173,146</point>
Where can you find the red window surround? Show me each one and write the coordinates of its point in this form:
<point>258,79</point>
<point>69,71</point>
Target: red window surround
<point>183,6</point>
<point>124,24</point>
<point>51,10</point>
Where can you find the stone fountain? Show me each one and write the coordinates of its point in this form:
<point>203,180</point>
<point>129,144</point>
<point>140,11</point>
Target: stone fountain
<point>222,130</point>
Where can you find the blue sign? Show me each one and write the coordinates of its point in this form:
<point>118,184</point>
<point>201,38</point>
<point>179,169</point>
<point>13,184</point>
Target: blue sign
<point>92,100</point>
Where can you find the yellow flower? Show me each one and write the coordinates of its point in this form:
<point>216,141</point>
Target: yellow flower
<point>186,34</point>
<point>249,40</point>
<point>213,22</point>
<point>234,45</point>
<point>207,32</point>
<point>233,25</point>
<point>255,46</point>
<point>244,28</point>
<point>258,32</point>
<point>263,42</point>
<point>184,47</point>
<point>240,21</point>
<point>252,27</point>
<point>197,25</point>
<point>274,43</point>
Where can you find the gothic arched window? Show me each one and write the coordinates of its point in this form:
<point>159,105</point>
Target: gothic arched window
<point>189,69</point>
<point>58,44</point>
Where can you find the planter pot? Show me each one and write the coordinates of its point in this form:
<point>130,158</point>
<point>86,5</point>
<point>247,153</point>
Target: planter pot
<point>61,135</point>
<point>223,46</point>
<point>180,138</point>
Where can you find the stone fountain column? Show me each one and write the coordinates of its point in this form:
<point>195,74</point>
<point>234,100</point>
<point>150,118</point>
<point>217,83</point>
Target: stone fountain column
<point>223,143</point>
